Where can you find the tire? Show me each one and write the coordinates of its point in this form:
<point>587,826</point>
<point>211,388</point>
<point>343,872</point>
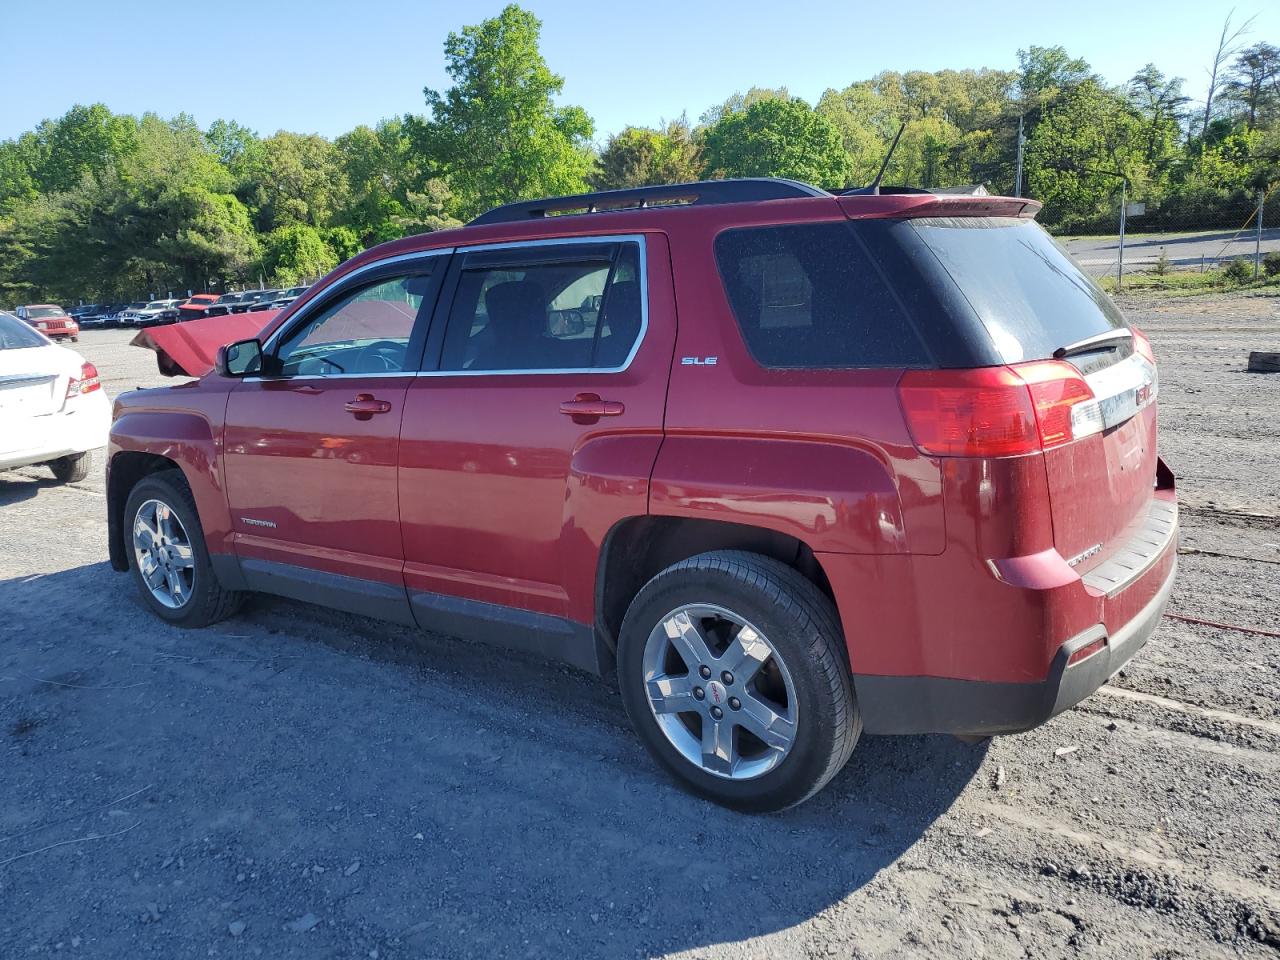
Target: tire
<point>802,675</point>
<point>202,599</point>
<point>72,468</point>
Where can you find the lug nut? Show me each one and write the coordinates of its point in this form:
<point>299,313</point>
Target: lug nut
<point>735,703</point>
<point>699,693</point>
<point>717,712</point>
<point>727,677</point>
<point>704,671</point>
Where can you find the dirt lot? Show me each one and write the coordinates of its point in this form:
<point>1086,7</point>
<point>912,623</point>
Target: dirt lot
<point>297,783</point>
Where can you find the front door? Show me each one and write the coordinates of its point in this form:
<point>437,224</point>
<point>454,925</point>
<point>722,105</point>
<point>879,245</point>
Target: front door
<point>310,447</point>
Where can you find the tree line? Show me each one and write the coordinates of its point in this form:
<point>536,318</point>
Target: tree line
<point>98,205</point>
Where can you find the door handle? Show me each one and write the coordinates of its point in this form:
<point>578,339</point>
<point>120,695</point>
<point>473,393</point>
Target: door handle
<point>365,406</point>
<point>588,407</point>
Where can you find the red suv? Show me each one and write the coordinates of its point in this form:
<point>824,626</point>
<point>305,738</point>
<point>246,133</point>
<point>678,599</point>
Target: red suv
<point>797,465</point>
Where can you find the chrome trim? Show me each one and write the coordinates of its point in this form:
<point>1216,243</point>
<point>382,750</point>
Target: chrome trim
<point>340,284</point>
<point>1120,391</point>
<point>637,238</point>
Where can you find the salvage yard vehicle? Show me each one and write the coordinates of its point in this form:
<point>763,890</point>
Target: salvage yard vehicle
<point>53,409</point>
<point>195,307</point>
<point>51,320</point>
<point>796,465</point>
<point>154,313</point>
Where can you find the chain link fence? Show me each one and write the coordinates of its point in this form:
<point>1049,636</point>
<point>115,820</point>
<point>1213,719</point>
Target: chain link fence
<point>1161,246</point>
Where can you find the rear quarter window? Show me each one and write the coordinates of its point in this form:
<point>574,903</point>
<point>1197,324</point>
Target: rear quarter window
<point>811,296</point>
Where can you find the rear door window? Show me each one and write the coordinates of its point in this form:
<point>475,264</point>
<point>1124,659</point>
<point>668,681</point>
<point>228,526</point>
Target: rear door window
<point>813,296</point>
<point>1029,294</point>
<point>545,307</point>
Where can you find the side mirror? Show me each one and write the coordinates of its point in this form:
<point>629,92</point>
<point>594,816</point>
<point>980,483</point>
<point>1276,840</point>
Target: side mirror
<point>239,359</point>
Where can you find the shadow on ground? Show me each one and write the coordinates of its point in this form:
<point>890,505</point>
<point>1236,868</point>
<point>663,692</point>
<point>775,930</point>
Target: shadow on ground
<point>411,794</point>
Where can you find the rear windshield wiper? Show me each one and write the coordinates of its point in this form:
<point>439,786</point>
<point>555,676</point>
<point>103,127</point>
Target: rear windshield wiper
<point>1099,342</point>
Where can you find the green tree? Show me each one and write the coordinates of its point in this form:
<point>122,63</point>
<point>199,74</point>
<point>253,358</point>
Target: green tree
<point>777,138</point>
<point>641,156</point>
<point>296,253</point>
<point>740,102</point>
<point>293,178</point>
<point>497,134</point>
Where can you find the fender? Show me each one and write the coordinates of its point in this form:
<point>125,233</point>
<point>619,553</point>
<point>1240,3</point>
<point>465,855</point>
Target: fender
<point>187,437</point>
<point>838,498</point>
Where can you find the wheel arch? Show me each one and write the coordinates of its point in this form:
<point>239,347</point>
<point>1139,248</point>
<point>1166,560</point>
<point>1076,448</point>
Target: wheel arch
<point>638,548</point>
<point>124,471</point>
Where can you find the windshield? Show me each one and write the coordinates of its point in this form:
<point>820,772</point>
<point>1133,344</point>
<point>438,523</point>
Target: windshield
<point>16,335</point>
<point>40,313</point>
<point>157,304</point>
<point>1028,293</point>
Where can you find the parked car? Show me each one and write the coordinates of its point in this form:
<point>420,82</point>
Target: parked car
<point>154,313</point>
<point>51,320</point>
<point>52,404</point>
<point>893,472</point>
<point>249,298</point>
<point>195,307</point>
<point>286,297</point>
<point>266,300</point>
<point>100,316</point>
<point>128,316</point>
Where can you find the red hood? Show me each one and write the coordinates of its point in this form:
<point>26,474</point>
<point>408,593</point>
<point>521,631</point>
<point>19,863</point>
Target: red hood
<point>188,348</point>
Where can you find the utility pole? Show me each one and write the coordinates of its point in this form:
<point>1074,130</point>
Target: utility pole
<point>1257,238</point>
<point>1124,202</point>
<point>1017,180</point>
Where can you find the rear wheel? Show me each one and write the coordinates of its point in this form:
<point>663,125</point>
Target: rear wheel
<point>167,555</point>
<point>733,673</point>
<point>73,468</point>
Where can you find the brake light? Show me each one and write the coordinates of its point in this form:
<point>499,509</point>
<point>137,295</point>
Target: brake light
<point>992,411</point>
<point>86,383</point>
<point>1142,344</point>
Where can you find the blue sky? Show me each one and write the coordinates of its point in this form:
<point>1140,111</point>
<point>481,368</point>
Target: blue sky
<point>327,66</point>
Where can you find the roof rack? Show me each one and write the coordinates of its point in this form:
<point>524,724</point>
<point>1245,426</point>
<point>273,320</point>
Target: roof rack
<point>743,190</point>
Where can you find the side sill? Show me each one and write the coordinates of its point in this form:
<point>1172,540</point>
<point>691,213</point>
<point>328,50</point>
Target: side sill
<point>368,598</point>
<point>539,633</point>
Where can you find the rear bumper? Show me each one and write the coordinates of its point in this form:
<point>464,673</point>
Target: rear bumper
<point>898,705</point>
<point>59,434</point>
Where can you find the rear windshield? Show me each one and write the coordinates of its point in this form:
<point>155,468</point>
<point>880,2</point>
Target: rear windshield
<point>1030,296</point>
<point>16,335</point>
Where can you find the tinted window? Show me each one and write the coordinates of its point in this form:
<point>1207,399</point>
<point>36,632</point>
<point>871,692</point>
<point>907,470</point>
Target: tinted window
<point>365,331</point>
<point>546,308</point>
<point>1030,296</point>
<point>42,313</point>
<point>811,296</point>
<point>16,335</point>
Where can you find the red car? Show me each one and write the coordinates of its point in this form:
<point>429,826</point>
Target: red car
<point>797,465</point>
<point>195,308</point>
<point>51,320</point>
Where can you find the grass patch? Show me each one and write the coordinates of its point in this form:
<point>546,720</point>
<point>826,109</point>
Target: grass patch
<point>1188,282</point>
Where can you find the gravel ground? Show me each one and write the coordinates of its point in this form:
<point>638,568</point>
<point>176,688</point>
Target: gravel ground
<point>300,783</point>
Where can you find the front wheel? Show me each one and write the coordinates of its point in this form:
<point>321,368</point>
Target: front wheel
<point>733,672</point>
<point>167,555</point>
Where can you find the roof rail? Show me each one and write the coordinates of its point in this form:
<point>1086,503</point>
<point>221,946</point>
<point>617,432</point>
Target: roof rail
<point>742,190</point>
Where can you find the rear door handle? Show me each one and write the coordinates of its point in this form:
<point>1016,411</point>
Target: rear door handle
<point>587,407</point>
<point>365,406</point>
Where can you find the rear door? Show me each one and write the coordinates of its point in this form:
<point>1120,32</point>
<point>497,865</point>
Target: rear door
<point>552,371</point>
<point>1035,304</point>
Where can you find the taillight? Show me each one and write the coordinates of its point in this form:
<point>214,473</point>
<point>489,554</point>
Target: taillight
<point>992,411</point>
<point>87,382</point>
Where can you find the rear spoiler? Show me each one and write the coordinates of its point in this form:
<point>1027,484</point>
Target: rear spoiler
<point>915,205</point>
<point>188,348</point>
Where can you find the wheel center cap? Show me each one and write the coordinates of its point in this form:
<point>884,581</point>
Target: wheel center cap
<point>716,693</point>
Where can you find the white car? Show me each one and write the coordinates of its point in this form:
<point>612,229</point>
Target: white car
<point>53,409</point>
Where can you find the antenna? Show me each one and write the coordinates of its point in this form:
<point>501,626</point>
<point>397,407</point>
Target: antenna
<point>875,184</point>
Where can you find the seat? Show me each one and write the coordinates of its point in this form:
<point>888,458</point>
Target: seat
<point>515,336</point>
<point>623,315</point>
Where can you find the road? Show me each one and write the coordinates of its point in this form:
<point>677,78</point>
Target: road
<point>295,783</point>
<point>1099,255</point>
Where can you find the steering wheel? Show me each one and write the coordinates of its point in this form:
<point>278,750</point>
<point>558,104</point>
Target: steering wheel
<point>381,356</point>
